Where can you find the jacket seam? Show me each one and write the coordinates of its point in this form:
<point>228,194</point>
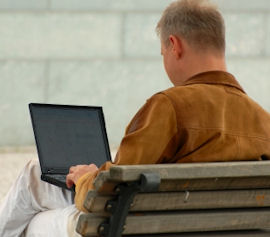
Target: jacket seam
<point>172,104</point>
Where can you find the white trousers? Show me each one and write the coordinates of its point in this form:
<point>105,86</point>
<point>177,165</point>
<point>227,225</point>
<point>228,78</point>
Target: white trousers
<point>34,208</point>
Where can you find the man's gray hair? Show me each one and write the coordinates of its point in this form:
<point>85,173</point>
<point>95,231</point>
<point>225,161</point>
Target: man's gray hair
<point>197,21</point>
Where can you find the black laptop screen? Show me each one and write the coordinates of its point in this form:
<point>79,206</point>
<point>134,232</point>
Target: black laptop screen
<point>69,135</point>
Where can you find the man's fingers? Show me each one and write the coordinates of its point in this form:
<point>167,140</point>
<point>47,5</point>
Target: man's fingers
<point>72,169</point>
<point>75,172</point>
<point>93,167</point>
<point>69,180</point>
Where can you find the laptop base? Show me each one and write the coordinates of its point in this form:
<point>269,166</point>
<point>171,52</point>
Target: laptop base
<point>57,180</point>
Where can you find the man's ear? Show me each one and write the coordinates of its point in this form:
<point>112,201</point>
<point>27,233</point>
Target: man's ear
<point>176,46</point>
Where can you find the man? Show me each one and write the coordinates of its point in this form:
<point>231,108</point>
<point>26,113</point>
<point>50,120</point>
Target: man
<point>205,117</point>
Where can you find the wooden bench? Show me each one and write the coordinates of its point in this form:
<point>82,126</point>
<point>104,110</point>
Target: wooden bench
<point>210,199</point>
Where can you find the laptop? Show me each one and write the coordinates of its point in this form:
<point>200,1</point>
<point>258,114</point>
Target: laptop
<point>68,135</point>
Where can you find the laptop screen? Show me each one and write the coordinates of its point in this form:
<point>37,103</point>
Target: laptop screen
<point>69,135</point>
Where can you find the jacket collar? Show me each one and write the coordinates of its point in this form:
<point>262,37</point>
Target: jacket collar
<point>215,77</point>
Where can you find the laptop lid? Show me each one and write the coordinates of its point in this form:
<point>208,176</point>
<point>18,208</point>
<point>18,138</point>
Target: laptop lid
<point>69,135</point>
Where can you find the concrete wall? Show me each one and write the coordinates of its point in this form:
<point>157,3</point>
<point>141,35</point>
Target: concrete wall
<point>104,52</point>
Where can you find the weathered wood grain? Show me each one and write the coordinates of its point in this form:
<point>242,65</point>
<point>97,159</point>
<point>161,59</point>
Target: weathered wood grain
<point>215,184</point>
<point>103,183</point>
<point>187,200</point>
<point>108,186</point>
<point>222,175</point>
<point>239,219</point>
<point>250,233</point>
<point>193,170</point>
<point>88,224</point>
<point>199,221</point>
<point>95,202</point>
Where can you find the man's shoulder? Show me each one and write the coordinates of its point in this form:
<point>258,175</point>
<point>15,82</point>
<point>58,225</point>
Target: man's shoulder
<point>169,91</point>
<point>167,95</point>
<point>178,89</point>
<point>174,91</point>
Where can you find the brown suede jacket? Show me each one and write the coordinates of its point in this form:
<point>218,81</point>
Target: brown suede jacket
<point>209,119</point>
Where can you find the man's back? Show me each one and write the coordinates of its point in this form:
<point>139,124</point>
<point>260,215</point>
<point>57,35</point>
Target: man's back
<point>217,121</point>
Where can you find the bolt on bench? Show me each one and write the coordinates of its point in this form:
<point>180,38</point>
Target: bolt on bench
<point>191,200</point>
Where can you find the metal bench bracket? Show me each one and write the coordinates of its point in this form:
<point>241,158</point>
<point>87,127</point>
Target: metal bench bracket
<point>119,207</point>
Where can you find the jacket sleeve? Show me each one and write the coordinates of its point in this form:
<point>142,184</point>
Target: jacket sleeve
<point>145,140</point>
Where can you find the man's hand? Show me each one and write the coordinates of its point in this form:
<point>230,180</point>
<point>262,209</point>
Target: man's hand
<point>75,172</point>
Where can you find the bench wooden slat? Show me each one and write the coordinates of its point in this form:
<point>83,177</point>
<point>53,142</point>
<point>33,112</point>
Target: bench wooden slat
<point>88,224</point>
<point>192,170</point>
<point>215,184</point>
<point>107,186</point>
<point>95,202</point>
<point>102,179</point>
<point>250,233</point>
<point>244,219</point>
<point>206,176</point>
<point>187,200</point>
<point>198,221</point>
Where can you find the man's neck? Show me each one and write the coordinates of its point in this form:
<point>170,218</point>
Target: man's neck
<point>200,64</point>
